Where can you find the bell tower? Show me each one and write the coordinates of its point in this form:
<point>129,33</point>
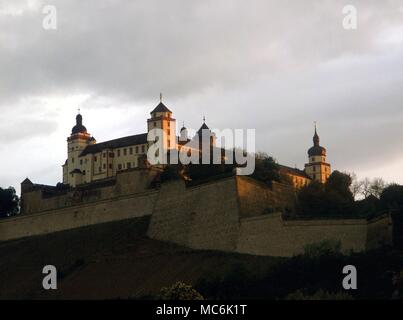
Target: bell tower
<point>317,168</point>
<point>161,118</point>
<point>76,143</point>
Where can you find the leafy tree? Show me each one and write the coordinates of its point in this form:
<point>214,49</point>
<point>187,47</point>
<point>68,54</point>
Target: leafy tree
<point>334,198</point>
<point>392,197</point>
<point>368,207</point>
<point>9,202</point>
<point>340,183</point>
<point>311,199</point>
<point>266,168</point>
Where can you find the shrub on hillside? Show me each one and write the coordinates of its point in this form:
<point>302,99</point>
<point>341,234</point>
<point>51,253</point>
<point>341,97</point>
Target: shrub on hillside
<point>266,169</point>
<point>332,199</point>
<point>323,248</point>
<point>392,197</point>
<point>179,291</point>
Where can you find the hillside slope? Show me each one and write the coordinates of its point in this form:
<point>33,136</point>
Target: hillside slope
<point>107,261</point>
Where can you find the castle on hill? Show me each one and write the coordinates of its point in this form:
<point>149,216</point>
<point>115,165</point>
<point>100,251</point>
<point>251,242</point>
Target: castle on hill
<point>88,161</point>
<point>114,180</point>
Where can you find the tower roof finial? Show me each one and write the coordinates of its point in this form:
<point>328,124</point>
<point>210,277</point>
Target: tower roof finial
<point>204,118</point>
<point>160,96</point>
<point>79,110</point>
<point>316,136</point>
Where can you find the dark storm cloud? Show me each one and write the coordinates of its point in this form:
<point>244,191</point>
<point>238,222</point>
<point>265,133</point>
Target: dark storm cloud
<point>136,48</point>
<point>276,66</point>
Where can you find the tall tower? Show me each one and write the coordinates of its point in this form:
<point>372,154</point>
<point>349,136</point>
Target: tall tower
<point>161,118</point>
<point>76,143</point>
<point>317,168</point>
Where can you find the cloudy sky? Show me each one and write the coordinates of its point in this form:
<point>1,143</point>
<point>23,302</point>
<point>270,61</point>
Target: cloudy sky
<point>276,66</point>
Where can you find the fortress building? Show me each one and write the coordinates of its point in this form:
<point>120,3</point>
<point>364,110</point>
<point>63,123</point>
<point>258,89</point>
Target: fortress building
<point>89,161</point>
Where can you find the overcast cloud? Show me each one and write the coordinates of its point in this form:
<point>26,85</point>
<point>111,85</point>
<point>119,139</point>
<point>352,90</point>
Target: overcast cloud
<point>276,66</point>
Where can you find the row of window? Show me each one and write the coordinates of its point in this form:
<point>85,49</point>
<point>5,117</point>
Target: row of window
<point>112,154</point>
<point>125,152</point>
<point>121,166</point>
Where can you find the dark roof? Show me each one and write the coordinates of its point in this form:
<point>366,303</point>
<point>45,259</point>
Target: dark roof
<point>79,128</point>
<point>117,143</point>
<point>203,127</point>
<point>294,171</point>
<point>27,181</point>
<point>161,108</point>
<point>316,151</point>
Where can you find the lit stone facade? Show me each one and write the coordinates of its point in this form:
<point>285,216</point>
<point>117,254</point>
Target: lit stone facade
<point>89,161</point>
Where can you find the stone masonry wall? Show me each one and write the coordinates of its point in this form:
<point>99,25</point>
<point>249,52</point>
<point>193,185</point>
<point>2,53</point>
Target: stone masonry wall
<point>229,214</point>
<point>120,208</point>
<point>201,217</point>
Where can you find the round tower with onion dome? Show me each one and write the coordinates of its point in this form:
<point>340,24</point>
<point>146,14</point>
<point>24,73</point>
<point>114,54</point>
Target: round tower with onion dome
<point>76,143</point>
<point>317,168</point>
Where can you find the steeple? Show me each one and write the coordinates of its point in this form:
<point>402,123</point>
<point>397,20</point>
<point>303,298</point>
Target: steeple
<point>316,137</point>
<point>317,168</point>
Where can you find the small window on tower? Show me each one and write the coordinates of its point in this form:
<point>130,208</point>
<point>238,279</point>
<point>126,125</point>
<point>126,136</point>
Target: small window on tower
<point>142,149</point>
<point>118,153</point>
<point>137,149</point>
<point>95,159</point>
<point>131,150</point>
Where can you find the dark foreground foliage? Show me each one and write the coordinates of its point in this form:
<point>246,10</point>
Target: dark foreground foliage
<point>315,275</point>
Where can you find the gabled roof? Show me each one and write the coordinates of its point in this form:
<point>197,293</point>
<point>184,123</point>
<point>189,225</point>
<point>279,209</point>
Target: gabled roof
<point>116,143</point>
<point>27,181</point>
<point>161,108</point>
<point>203,127</point>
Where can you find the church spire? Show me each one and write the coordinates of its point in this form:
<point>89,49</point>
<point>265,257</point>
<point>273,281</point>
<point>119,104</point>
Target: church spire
<point>316,137</point>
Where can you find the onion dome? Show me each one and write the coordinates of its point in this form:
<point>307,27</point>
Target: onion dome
<point>79,128</point>
<point>316,150</point>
